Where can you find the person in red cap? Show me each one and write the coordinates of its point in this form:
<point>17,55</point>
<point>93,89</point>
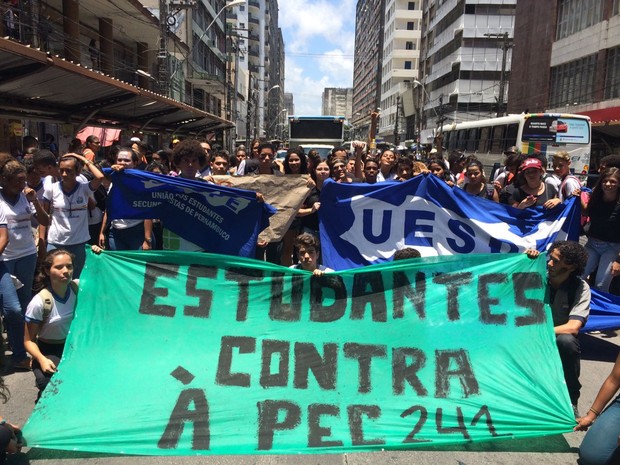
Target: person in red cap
<point>532,191</point>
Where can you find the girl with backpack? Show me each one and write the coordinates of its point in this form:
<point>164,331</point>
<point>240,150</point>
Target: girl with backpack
<point>49,315</point>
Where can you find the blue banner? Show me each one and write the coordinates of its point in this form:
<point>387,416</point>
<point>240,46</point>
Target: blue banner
<point>220,219</point>
<point>604,312</point>
<point>362,224</point>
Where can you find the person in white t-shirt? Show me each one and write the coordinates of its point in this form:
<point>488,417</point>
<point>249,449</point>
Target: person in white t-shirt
<point>47,328</point>
<point>67,203</point>
<point>21,207</point>
<point>126,234</point>
<point>568,183</point>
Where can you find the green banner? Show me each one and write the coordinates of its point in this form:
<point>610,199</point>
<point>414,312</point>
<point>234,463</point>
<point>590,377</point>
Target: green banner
<point>184,354</point>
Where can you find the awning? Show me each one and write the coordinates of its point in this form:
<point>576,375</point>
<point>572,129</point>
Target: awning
<point>605,120</point>
<point>603,116</point>
<point>38,86</point>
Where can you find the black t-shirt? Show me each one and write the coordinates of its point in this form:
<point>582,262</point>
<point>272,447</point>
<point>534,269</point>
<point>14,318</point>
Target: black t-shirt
<point>604,221</point>
<point>519,195</point>
<point>311,221</point>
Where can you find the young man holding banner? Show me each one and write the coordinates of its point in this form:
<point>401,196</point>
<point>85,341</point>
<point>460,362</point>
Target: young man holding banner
<point>569,298</point>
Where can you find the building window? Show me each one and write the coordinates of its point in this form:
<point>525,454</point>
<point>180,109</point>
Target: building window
<point>612,80</point>
<point>409,46</point>
<point>407,65</point>
<point>577,15</point>
<point>410,25</point>
<point>411,6</point>
<point>573,83</point>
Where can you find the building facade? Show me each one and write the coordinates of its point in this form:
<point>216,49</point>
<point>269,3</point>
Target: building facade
<point>401,58</point>
<point>464,44</point>
<point>576,67</point>
<point>367,62</point>
<point>337,102</point>
<point>265,47</point>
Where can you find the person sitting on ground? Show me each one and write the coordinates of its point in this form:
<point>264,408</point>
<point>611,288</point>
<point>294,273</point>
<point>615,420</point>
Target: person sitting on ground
<point>406,253</point>
<point>50,313</point>
<point>601,445</point>
<point>308,249</point>
<point>569,298</point>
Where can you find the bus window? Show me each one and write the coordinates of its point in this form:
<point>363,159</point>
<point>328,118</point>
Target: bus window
<point>462,137</point>
<point>472,140</point>
<point>483,146</point>
<point>511,135</point>
<point>497,139</point>
<point>451,142</point>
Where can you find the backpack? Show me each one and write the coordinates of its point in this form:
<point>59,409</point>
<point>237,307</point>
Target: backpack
<point>48,299</point>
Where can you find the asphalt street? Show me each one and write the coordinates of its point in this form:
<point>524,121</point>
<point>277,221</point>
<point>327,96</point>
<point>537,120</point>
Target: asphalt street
<point>599,353</point>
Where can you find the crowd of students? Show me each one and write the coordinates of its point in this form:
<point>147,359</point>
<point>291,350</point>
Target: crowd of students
<point>50,208</point>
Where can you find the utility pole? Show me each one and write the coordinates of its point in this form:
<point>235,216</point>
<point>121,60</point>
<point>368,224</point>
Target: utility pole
<point>166,19</point>
<point>503,77</point>
<point>396,128</point>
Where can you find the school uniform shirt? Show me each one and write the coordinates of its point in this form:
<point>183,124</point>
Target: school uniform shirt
<point>69,214</point>
<point>19,224</point>
<point>56,327</point>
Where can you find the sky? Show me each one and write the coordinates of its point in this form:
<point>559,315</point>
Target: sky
<point>319,39</point>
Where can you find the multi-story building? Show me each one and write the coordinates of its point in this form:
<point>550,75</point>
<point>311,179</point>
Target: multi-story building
<point>401,58</point>
<point>337,101</point>
<point>289,103</point>
<point>369,21</point>
<point>464,46</point>
<point>265,47</point>
<point>97,49</point>
<point>576,67</point>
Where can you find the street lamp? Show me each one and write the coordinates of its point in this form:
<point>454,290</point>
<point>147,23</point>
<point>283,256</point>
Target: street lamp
<point>265,104</point>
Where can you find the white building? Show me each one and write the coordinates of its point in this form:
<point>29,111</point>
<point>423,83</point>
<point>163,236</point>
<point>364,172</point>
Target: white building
<point>402,34</point>
<point>463,48</point>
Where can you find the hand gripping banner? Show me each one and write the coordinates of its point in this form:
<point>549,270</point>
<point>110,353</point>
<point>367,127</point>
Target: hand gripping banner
<point>185,354</point>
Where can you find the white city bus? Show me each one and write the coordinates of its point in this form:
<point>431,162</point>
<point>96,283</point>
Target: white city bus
<point>532,133</point>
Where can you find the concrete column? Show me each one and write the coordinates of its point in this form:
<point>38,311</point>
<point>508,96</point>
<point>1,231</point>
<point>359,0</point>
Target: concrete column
<point>143,64</point>
<point>106,45</point>
<point>71,28</point>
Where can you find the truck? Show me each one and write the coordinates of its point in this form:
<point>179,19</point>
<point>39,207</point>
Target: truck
<point>321,133</point>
